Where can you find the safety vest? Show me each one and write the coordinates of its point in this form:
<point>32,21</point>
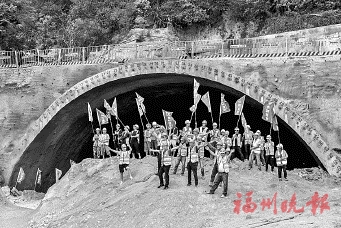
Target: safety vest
<point>153,134</point>
<point>192,155</point>
<point>248,136</point>
<point>262,142</point>
<point>256,143</point>
<point>223,164</point>
<point>124,157</point>
<point>201,152</point>
<point>104,138</point>
<point>203,129</point>
<point>166,159</point>
<point>281,158</point>
<point>117,134</point>
<point>96,139</point>
<point>182,150</point>
<point>269,148</point>
<point>147,134</point>
<point>228,142</point>
<point>236,140</point>
<point>187,130</point>
<point>215,133</point>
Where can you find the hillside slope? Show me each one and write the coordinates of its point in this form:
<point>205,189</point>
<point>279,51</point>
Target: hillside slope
<point>89,195</point>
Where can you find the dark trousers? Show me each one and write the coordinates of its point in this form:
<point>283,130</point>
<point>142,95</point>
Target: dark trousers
<point>153,144</point>
<point>262,159</point>
<point>247,151</point>
<point>214,172</point>
<point>237,153</point>
<point>192,167</point>
<point>135,149</point>
<point>280,168</point>
<point>220,177</point>
<point>164,169</point>
<point>179,159</point>
<point>269,160</point>
<point>158,162</point>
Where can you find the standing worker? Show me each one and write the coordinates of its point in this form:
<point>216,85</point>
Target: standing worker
<point>214,152</point>
<point>281,160</point>
<point>116,137</point>
<point>96,148</point>
<point>247,138</point>
<point>192,162</point>
<point>124,156</point>
<point>269,154</point>
<point>135,141</point>
<point>104,139</point>
<point>166,161</point>
<point>147,139</point>
<point>236,145</point>
<point>255,151</point>
<point>181,156</point>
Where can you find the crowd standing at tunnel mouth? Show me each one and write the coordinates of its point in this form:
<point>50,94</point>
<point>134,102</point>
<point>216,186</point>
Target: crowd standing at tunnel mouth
<point>188,146</point>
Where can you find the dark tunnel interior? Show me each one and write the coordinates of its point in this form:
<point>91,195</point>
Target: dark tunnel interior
<point>69,134</point>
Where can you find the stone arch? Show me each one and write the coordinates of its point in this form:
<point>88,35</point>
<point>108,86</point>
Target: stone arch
<point>196,68</point>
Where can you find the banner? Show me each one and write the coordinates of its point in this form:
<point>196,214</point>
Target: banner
<point>102,118</point>
<point>195,90</point>
<point>169,120</point>
<point>90,113</point>
<point>114,108</point>
<point>206,100</point>
<point>275,123</point>
<point>239,106</point>
<point>139,108</point>
<point>109,109</point>
<point>139,101</point>
<point>21,175</point>
<point>243,122</point>
<point>268,111</point>
<point>38,176</point>
<point>194,107</point>
<point>58,174</point>
<point>224,105</point>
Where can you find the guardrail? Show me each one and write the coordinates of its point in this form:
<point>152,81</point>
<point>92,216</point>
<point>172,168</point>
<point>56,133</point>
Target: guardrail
<point>253,47</point>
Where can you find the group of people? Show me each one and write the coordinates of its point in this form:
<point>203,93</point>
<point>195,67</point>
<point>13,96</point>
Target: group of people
<point>189,147</point>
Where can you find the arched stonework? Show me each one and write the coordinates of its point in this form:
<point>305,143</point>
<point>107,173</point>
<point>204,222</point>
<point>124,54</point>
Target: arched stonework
<point>196,68</point>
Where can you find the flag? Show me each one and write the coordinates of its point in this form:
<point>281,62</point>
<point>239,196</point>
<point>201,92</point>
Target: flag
<point>109,109</point>
<point>38,176</point>
<point>224,105</point>
<point>194,107</point>
<point>169,120</point>
<point>114,108</point>
<point>206,99</point>
<point>58,174</point>
<point>243,121</point>
<point>102,118</point>
<point>275,123</point>
<point>195,90</point>
<point>21,175</point>
<point>268,111</point>
<point>139,101</point>
<point>139,108</point>
<point>239,106</point>
<point>90,113</point>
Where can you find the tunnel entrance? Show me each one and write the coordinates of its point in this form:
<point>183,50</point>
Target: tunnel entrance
<point>69,134</point>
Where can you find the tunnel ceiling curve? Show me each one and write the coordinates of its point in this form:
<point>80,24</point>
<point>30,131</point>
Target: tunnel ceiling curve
<point>104,81</point>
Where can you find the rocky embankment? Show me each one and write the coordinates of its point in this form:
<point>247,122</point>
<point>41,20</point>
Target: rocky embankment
<point>89,195</point>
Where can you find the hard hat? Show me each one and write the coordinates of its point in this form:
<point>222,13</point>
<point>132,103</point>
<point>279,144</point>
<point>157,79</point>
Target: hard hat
<point>154,123</point>
<point>279,146</point>
<point>187,122</point>
<point>268,136</point>
<point>104,129</point>
<point>196,130</point>
<point>258,131</point>
<point>248,126</point>
<point>222,131</point>
<point>97,129</point>
<point>127,127</point>
<point>215,124</point>
<point>118,125</point>
<point>148,125</point>
<point>204,122</point>
<point>236,129</point>
<point>137,126</point>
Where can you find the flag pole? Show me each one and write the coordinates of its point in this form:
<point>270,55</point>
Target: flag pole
<point>195,118</point>
<point>142,123</point>
<point>270,128</point>
<point>191,118</point>
<point>35,182</point>
<point>238,120</point>
<point>211,116</point>
<point>146,116</point>
<point>120,121</point>
<point>92,126</point>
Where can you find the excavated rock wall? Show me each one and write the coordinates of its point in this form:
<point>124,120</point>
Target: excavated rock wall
<point>310,85</point>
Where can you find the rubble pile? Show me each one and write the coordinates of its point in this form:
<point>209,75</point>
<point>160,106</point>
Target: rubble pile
<point>312,174</point>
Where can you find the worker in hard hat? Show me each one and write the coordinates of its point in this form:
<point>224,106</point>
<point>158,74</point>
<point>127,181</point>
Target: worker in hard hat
<point>236,145</point>
<point>104,138</point>
<point>247,138</point>
<point>223,160</point>
<point>124,160</point>
<point>147,139</point>
<point>269,153</point>
<point>282,161</point>
<point>181,155</point>
<point>96,148</point>
<point>187,129</point>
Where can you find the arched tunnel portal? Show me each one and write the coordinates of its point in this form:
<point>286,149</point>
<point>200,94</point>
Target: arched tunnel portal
<point>67,134</point>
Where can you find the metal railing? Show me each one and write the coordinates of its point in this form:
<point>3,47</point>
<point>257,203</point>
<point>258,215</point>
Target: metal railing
<point>177,49</point>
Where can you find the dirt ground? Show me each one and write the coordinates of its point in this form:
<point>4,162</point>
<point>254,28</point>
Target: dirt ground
<point>89,195</point>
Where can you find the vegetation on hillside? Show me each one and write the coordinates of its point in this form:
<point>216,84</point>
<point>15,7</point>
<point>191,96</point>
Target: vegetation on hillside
<point>27,24</point>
